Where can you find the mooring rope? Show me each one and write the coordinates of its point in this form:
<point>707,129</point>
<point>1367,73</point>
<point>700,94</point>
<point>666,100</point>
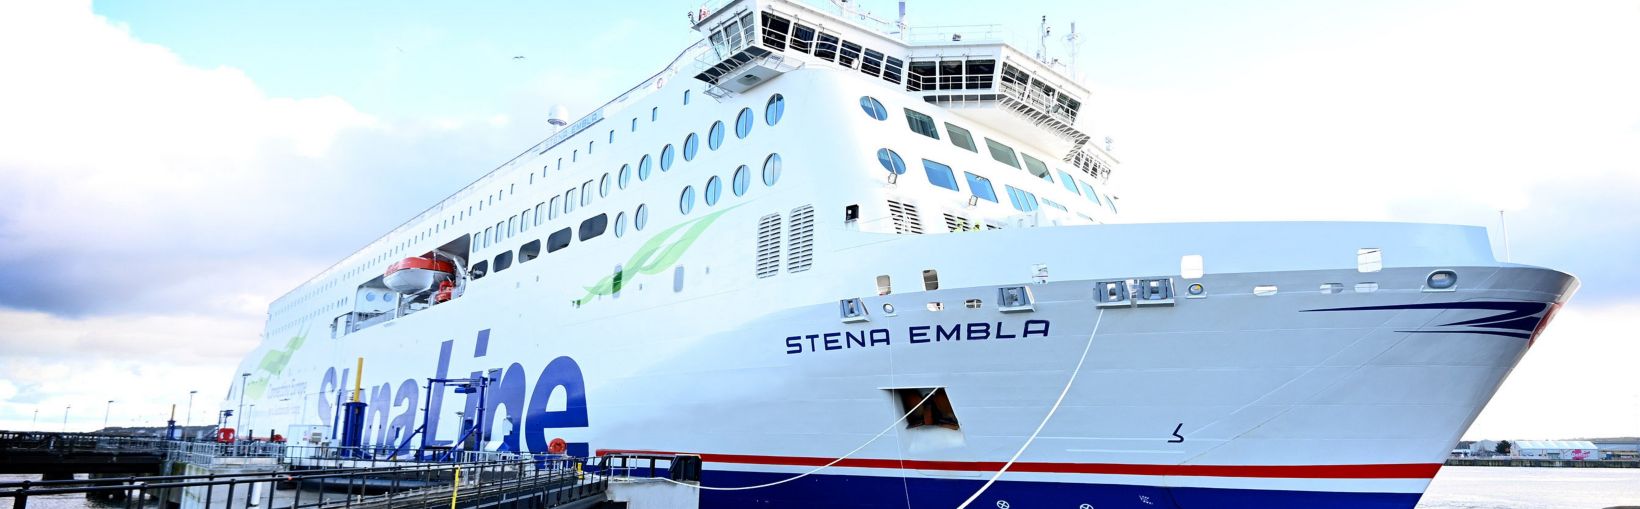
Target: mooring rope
<point>1045,418</point>
<point>874,438</point>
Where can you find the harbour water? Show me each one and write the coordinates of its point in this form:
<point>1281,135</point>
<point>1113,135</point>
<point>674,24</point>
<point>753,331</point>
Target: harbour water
<point>1454,488</point>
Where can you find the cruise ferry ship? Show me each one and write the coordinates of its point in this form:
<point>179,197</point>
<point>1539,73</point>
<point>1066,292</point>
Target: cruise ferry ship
<point>856,264</point>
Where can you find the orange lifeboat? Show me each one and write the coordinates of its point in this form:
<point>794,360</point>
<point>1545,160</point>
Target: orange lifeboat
<point>416,274</point>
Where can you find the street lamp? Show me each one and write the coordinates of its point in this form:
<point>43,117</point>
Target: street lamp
<point>243,379</point>
<point>36,421</point>
<point>189,417</point>
<point>106,408</point>
<point>65,416</point>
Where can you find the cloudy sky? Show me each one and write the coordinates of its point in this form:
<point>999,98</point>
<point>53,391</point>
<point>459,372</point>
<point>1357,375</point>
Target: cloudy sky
<point>171,167</point>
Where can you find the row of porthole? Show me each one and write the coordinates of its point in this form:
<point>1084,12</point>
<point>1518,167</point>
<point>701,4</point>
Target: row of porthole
<point>739,183</point>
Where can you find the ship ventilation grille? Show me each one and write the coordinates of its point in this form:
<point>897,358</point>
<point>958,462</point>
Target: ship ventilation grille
<point>957,224</point>
<point>801,239</point>
<point>768,245</point>
<point>905,217</point>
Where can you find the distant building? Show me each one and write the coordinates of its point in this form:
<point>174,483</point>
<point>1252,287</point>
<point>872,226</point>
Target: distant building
<point>1618,448</point>
<point>1555,449</point>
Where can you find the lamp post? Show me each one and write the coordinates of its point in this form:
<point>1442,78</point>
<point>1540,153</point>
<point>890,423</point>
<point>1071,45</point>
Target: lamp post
<point>65,416</point>
<point>189,418</point>
<point>253,423</point>
<point>243,379</point>
<point>106,408</point>
<point>36,421</point>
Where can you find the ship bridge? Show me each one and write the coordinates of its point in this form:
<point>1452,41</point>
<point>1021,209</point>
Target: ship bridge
<point>970,70</point>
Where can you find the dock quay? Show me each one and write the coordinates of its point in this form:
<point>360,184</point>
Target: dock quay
<point>146,472</point>
<point>1540,462</point>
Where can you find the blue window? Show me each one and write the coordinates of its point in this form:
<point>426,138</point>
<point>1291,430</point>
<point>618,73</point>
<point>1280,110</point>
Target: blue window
<point>743,123</point>
<point>640,217</point>
<point>686,97</point>
<point>891,161</point>
<point>1088,192</point>
<point>940,175</point>
<point>1023,201</point>
<point>624,177</point>
<point>1054,204</point>
<point>654,113</point>
<point>1069,183</point>
<point>686,201</point>
<point>604,185</point>
<point>1111,203</point>
<point>691,144</point>
<point>771,169</point>
<point>1036,167</point>
<point>714,188</point>
<point>644,168</point>
<point>634,124</point>
<point>666,157</point>
<point>981,187</point>
<point>873,107</point>
<point>1002,153</point>
<point>620,224</point>
<point>742,180</point>
<point>774,110</point>
<point>714,138</point>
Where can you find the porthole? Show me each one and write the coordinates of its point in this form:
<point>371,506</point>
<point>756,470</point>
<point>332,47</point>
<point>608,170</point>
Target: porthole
<point>620,224</point>
<point>604,185</point>
<point>691,144</point>
<point>774,110</point>
<point>624,177</point>
<point>686,201</point>
<point>742,180</point>
<point>714,137</point>
<point>873,107</point>
<point>714,188</point>
<point>891,161</point>
<point>771,169</point>
<point>743,123</point>
<point>640,217</point>
<point>644,168</point>
<point>666,157</point>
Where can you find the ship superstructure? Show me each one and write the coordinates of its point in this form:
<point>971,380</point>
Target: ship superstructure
<point>816,234</point>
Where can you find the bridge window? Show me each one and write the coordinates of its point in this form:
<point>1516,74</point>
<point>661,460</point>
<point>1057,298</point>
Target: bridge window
<point>774,31</point>
<point>961,137</point>
<point>981,187</point>
<point>1002,153</point>
<point>873,107</point>
<point>558,240</point>
<point>940,175</point>
<point>849,54</point>
<point>872,62</point>
<point>921,124</point>
<point>1036,167</point>
<point>826,48</point>
<point>802,38</point>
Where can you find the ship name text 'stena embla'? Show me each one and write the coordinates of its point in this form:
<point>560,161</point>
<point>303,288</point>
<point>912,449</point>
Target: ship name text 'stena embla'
<point>819,239</point>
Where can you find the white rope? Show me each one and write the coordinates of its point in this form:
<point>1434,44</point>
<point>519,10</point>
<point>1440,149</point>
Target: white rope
<point>879,434</point>
<point>1045,418</point>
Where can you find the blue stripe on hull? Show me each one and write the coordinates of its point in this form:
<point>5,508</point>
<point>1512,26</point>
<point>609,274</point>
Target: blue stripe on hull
<point>872,492</point>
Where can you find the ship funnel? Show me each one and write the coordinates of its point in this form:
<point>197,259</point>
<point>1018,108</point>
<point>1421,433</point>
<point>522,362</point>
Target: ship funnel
<point>557,117</point>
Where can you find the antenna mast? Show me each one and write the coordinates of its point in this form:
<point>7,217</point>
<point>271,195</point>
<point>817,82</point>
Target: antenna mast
<point>1042,41</point>
<point>1073,43</point>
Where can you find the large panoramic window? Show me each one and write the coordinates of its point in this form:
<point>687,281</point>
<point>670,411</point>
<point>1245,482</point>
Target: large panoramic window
<point>981,187</point>
<point>921,124</point>
<point>1002,153</point>
<point>940,175</point>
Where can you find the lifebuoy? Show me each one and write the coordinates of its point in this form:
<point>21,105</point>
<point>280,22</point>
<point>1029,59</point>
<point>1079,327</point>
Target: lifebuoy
<point>557,446</point>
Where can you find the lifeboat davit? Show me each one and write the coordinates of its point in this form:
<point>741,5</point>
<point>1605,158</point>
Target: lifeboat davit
<point>415,274</point>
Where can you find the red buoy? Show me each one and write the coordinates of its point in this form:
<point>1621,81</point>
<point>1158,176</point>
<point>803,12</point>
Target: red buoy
<point>557,446</point>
